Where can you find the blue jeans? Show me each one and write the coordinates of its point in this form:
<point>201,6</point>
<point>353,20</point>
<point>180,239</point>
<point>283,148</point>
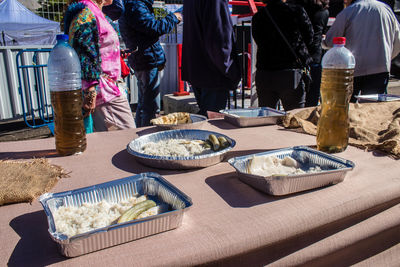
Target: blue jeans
<point>210,99</point>
<point>370,84</point>
<point>148,106</point>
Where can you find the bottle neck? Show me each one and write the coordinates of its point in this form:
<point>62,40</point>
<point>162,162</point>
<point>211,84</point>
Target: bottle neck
<point>338,45</point>
<point>62,41</point>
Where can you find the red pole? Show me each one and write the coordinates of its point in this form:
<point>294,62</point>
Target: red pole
<point>250,3</point>
<point>246,3</point>
<point>181,84</point>
<point>249,66</point>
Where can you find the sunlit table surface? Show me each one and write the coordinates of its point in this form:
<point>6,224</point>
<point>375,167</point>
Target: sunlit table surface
<point>230,223</point>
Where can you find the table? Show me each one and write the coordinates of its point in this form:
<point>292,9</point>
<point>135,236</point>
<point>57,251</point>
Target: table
<point>230,223</point>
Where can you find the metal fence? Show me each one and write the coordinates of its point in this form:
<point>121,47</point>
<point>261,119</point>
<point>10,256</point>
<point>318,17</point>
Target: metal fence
<point>52,9</point>
<point>32,87</point>
<point>24,98</point>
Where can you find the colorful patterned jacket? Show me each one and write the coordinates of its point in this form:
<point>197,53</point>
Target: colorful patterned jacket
<point>96,42</point>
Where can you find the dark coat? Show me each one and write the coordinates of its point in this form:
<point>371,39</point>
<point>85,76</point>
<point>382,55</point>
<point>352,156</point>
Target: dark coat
<point>115,10</point>
<point>319,19</point>
<point>209,57</point>
<point>140,29</point>
<point>319,16</point>
<point>272,51</point>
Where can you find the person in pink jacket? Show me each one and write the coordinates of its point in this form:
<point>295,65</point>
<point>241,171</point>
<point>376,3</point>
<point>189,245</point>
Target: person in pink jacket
<point>97,45</point>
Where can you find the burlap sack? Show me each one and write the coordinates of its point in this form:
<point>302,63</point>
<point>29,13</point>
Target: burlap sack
<point>23,181</point>
<point>373,126</point>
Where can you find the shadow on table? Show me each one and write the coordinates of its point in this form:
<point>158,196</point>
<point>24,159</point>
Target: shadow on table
<point>49,153</point>
<point>147,131</point>
<point>35,248</point>
<point>222,124</point>
<point>236,193</point>
<point>125,161</point>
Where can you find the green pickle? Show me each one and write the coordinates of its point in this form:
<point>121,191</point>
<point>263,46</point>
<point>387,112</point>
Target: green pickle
<point>136,210</point>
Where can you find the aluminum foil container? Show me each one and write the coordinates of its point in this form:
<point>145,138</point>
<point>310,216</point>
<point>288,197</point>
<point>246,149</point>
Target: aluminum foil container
<point>333,171</point>
<point>163,162</point>
<point>198,122</point>
<point>377,98</point>
<point>252,116</point>
<point>150,184</point>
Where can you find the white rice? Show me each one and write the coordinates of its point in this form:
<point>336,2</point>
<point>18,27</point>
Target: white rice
<point>174,148</point>
<point>72,220</point>
<point>272,165</point>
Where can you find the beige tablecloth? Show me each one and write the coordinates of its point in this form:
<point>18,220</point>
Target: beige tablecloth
<point>354,222</point>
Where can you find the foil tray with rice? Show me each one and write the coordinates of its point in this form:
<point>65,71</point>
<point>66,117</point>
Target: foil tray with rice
<point>181,149</point>
<point>290,170</point>
<point>129,226</point>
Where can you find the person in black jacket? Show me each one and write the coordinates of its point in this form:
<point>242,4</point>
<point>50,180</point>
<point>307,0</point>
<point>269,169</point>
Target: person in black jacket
<point>318,13</point>
<point>115,10</point>
<point>335,6</point>
<point>209,60</point>
<point>279,74</point>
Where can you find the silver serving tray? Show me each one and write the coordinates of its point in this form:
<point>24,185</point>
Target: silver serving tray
<point>151,184</point>
<point>377,98</point>
<point>197,123</point>
<point>247,117</point>
<point>198,161</point>
<point>334,169</point>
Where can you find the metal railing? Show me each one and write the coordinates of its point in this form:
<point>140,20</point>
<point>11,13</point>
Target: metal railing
<point>13,88</point>
<point>32,88</point>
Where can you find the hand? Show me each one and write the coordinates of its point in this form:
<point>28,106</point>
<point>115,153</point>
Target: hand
<point>125,53</point>
<point>178,16</point>
<point>89,101</point>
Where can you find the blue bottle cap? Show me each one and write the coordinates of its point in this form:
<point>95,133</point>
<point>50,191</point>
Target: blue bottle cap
<point>62,37</point>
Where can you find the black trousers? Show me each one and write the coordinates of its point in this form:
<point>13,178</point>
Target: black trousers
<point>313,94</point>
<point>270,91</point>
<point>370,84</point>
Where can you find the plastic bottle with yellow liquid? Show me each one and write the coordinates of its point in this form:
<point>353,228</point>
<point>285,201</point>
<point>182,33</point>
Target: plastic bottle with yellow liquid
<point>66,97</point>
<point>336,89</point>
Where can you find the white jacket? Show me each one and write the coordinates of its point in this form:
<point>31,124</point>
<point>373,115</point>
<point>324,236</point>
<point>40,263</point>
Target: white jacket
<point>372,34</point>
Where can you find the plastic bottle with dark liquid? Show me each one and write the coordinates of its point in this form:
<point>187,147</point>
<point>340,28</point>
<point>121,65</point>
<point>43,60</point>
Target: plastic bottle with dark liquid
<point>336,89</point>
<point>66,97</point>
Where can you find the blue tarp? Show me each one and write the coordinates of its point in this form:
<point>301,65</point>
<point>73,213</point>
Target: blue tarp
<point>20,26</point>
